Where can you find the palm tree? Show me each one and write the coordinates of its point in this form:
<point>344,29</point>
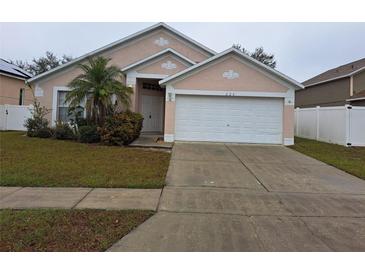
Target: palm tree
<point>97,84</point>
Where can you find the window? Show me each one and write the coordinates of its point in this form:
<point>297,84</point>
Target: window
<point>62,107</point>
<point>21,97</point>
<point>152,86</point>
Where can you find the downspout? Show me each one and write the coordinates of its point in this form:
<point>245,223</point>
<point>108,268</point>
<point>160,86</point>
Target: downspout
<point>351,86</point>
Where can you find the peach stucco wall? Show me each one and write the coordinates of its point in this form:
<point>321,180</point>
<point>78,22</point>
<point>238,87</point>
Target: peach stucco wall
<point>47,85</point>
<point>146,46</point>
<point>169,117</point>
<point>211,78</point>
<point>288,121</point>
<point>157,68</point>
<point>10,91</point>
<point>123,56</point>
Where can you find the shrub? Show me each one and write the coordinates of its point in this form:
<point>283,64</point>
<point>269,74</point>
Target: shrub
<point>89,134</point>
<point>121,128</point>
<point>81,122</point>
<point>76,115</point>
<point>63,131</point>
<point>38,125</point>
<point>45,132</point>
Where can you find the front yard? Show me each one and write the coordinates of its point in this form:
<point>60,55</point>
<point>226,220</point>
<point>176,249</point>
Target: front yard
<point>29,161</point>
<point>349,159</point>
<point>65,230</point>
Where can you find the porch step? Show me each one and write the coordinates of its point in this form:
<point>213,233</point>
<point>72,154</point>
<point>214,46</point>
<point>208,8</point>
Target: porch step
<point>151,141</point>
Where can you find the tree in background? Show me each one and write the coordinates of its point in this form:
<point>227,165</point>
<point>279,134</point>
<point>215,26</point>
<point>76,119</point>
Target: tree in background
<point>259,54</point>
<point>42,64</point>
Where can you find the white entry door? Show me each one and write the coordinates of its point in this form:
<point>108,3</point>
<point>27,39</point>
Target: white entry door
<point>152,111</point>
<point>229,119</point>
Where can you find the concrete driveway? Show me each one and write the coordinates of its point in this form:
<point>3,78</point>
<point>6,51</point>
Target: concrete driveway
<point>225,197</point>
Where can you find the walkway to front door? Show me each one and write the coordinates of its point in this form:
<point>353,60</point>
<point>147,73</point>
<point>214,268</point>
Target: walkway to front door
<point>252,198</point>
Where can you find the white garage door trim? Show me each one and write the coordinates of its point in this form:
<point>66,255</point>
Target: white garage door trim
<point>229,119</point>
<point>289,93</point>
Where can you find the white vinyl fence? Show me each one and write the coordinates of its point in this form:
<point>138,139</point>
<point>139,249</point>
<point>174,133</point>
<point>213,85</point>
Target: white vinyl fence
<point>344,125</point>
<point>12,117</point>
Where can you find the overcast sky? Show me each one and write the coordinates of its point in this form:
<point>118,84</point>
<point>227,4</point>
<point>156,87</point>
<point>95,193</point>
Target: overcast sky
<point>302,50</point>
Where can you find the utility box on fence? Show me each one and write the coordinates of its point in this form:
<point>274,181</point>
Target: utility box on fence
<point>12,117</point>
<point>343,125</point>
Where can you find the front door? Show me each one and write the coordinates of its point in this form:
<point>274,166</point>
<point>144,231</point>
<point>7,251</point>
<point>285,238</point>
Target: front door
<point>152,111</point>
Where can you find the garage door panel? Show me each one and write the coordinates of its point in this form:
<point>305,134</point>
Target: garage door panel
<point>228,119</point>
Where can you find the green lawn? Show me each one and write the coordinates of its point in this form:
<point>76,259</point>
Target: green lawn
<point>29,161</point>
<point>65,230</point>
<point>349,159</point>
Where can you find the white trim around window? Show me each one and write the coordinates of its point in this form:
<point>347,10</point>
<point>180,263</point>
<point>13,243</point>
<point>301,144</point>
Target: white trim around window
<point>54,102</point>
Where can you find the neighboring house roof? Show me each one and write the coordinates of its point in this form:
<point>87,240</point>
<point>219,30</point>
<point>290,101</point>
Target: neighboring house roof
<point>159,54</point>
<point>280,75</point>
<point>123,40</point>
<point>13,70</point>
<point>340,72</point>
<point>358,96</point>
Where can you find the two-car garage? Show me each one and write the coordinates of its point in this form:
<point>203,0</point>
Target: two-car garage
<point>229,119</point>
<point>230,97</point>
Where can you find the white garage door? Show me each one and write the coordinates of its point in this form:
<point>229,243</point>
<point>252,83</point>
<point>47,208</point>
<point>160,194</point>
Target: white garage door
<point>229,119</point>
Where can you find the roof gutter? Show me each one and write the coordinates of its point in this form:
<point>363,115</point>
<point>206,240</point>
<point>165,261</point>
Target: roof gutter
<point>13,75</point>
<point>336,78</point>
<point>356,99</point>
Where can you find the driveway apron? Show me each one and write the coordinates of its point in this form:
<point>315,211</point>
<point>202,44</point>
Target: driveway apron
<point>230,197</point>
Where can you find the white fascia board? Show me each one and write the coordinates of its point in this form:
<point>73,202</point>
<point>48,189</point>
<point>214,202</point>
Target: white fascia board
<point>188,38</point>
<point>177,75</point>
<point>356,99</point>
<point>120,41</point>
<point>161,53</point>
<point>13,76</point>
<point>270,69</point>
<point>245,56</point>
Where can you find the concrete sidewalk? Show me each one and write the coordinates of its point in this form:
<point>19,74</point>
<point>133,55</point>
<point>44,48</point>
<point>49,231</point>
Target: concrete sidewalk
<point>66,197</point>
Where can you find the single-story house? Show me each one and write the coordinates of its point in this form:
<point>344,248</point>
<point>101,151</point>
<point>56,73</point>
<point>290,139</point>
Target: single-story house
<point>12,85</point>
<point>335,87</point>
<point>188,92</point>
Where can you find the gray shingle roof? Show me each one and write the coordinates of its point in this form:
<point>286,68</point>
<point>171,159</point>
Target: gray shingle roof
<point>11,69</point>
<point>335,73</point>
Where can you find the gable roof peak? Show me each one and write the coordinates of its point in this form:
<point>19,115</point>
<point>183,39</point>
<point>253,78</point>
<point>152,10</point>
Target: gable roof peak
<point>156,55</point>
<point>248,58</point>
<point>124,40</point>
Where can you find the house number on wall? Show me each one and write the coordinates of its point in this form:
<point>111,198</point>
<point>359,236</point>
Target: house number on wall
<point>229,93</point>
